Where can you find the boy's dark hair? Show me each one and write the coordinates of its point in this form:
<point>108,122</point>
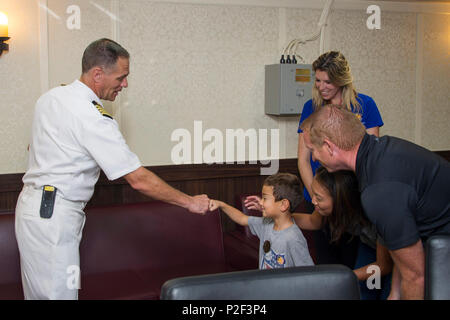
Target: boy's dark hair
<point>286,186</point>
<point>102,53</point>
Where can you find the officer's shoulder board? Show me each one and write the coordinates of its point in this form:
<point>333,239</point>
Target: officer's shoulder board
<point>101,110</point>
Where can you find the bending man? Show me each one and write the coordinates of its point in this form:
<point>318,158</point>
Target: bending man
<point>404,188</point>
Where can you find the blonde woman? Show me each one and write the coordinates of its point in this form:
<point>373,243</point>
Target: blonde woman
<point>333,85</point>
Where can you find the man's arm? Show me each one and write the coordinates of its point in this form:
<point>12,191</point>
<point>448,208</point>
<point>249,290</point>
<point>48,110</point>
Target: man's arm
<point>395,285</point>
<point>391,207</point>
<point>151,185</point>
<point>410,263</point>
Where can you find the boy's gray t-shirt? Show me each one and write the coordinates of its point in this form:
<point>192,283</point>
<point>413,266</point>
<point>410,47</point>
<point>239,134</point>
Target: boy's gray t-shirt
<point>288,247</point>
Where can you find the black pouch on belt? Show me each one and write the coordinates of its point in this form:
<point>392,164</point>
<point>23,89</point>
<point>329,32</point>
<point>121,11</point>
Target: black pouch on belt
<point>48,201</point>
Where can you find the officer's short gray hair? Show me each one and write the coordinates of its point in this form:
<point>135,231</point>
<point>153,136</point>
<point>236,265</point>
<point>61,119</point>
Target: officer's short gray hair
<point>102,53</point>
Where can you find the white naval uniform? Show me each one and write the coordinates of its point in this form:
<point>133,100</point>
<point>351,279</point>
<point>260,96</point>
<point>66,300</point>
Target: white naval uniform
<point>71,141</point>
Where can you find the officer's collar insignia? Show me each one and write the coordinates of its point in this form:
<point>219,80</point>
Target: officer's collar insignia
<point>101,110</point>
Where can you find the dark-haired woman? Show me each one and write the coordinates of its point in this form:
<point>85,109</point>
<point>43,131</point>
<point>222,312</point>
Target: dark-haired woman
<point>337,204</point>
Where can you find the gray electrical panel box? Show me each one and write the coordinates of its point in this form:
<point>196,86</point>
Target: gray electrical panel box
<point>288,87</point>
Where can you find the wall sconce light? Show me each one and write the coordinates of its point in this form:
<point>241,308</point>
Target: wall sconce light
<point>3,32</point>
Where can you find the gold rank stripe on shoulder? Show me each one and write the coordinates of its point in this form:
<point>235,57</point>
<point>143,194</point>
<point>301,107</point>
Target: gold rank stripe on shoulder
<point>101,110</point>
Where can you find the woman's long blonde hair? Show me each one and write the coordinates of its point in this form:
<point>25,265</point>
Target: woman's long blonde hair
<point>338,70</point>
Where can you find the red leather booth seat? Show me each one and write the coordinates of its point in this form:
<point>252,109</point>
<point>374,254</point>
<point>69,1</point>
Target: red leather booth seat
<point>10,280</point>
<point>129,251</point>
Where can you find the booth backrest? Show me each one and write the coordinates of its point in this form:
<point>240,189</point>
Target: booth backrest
<point>322,282</point>
<point>437,268</point>
<point>10,279</point>
<point>151,235</point>
<point>9,253</point>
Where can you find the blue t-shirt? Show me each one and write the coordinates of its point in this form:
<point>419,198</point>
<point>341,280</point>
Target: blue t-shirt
<point>369,116</point>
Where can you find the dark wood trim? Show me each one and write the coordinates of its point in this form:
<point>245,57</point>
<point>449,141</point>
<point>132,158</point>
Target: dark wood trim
<point>11,182</point>
<point>206,172</point>
<point>221,181</point>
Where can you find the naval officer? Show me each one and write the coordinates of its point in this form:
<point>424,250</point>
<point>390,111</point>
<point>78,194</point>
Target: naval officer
<point>73,137</point>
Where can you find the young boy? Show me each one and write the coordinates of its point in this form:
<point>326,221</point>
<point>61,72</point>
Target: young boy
<point>282,244</point>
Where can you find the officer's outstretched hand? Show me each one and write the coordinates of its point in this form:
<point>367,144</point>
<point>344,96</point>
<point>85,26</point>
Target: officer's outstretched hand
<point>199,204</point>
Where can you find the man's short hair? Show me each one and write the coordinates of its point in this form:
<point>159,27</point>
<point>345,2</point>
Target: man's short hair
<point>336,124</point>
<point>102,53</point>
<point>286,186</point>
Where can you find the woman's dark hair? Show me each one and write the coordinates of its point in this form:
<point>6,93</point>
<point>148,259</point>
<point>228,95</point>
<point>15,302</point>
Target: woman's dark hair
<point>347,214</point>
<point>102,53</point>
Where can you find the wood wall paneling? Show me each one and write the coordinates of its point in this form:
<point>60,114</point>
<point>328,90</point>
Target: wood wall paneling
<point>218,181</point>
<point>221,182</point>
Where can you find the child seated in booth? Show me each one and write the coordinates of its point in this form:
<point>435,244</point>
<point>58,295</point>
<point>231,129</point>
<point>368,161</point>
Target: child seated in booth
<point>282,243</point>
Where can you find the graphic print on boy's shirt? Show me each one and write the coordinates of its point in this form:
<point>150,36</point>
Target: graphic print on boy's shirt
<point>272,260</point>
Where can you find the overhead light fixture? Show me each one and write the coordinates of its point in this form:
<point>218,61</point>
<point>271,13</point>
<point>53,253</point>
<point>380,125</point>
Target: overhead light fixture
<point>3,32</point>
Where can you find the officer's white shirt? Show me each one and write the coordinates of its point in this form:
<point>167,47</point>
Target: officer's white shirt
<point>71,141</point>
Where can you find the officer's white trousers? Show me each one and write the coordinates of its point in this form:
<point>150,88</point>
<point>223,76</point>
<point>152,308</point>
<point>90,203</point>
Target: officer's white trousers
<point>49,248</point>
